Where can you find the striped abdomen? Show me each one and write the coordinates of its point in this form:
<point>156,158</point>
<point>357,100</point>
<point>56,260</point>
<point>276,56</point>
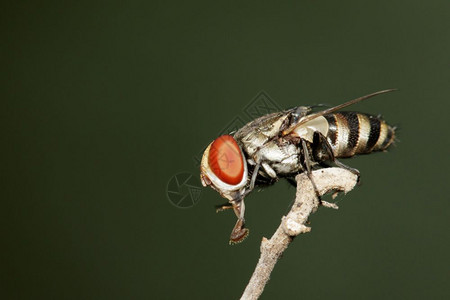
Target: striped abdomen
<point>352,133</point>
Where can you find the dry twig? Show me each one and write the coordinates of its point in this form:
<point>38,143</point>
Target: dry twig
<point>306,202</point>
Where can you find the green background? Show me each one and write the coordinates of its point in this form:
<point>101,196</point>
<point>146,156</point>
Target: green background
<point>103,102</point>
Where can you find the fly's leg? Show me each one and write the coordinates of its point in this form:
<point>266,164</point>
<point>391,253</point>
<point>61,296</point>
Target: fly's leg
<point>223,207</point>
<point>239,233</point>
<point>353,170</point>
<point>307,161</point>
<point>308,168</point>
<point>321,142</point>
<point>253,180</point>
<point>306,157</point>
<point>323,151</point>
<point>269,171</point>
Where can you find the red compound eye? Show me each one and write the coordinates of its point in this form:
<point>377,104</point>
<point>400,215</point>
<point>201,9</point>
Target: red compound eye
<point>225,160</point>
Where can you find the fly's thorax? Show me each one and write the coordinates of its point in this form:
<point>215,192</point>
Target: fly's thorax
<point>275,151</point>
<point>280,157</point>
<point>252,142</point>
<point>288,166</point>
<point>257,133</point>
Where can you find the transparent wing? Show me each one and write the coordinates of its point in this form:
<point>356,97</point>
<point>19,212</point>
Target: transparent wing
<point>312,116</point>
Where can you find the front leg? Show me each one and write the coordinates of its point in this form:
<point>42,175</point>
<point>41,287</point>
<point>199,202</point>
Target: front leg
<point>223,207</point>
<point>239,233</point>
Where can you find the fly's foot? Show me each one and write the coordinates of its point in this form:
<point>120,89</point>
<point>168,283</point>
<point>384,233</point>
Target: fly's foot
<point>329,204</point>
<point>353,170</point>
<point>239,233</point>
<point>223,207</point>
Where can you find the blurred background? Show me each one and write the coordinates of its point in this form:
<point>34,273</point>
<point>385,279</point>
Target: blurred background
<point>106,107</point>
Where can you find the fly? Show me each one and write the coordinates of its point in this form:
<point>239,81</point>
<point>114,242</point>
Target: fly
<point>284,144</point>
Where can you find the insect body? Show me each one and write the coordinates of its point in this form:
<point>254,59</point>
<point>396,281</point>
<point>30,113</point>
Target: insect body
<point>284,144</point>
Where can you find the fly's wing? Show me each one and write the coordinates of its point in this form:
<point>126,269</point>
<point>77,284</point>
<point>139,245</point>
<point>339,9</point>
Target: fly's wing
<point>267,125</point>
<point>308,118</point>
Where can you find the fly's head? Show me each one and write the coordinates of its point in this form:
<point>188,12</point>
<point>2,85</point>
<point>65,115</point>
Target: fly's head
<point>224,168</point>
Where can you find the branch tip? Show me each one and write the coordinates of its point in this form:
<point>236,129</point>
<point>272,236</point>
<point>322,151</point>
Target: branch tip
<point>306,202</point>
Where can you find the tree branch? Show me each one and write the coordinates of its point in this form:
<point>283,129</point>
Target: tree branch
<point>306,202</point>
